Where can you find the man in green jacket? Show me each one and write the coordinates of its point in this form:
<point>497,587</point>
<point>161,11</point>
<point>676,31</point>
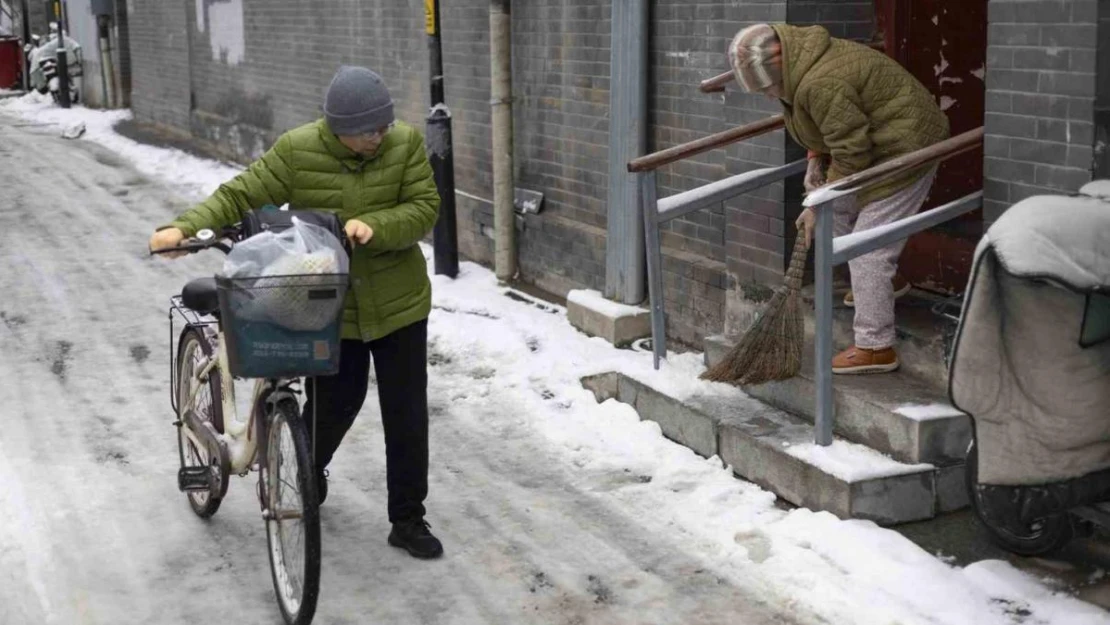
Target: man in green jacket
<point>372,171</point>
<point>851,107</point>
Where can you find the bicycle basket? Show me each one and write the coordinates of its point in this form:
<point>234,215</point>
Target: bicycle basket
<point>282,326</point>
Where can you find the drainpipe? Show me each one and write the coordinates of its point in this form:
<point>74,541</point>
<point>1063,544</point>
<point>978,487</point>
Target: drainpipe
<point>105,61</point>
<point>25,11</point>
<point>501,90</point>
<point>624,248</point>
<point>440,152</point>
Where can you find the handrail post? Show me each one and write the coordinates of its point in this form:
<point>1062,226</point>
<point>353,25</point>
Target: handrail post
<point>654,253</point>
<point>823,266</point>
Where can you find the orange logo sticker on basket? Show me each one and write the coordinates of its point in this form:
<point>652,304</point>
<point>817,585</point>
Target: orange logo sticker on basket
<point>320,350</point>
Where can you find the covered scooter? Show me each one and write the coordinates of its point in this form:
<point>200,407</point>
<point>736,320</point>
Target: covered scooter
<point>43,57</point>
<point>1031,366</point>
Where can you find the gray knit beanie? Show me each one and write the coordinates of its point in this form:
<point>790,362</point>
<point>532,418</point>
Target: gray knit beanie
<point>357,102</point>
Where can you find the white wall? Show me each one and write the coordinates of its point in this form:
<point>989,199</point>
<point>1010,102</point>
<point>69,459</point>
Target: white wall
<point>82,27</point>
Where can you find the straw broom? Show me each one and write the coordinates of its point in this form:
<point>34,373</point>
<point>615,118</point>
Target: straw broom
<point>772,348</point>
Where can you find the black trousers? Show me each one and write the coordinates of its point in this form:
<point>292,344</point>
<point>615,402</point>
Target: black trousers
<point>401,365</point>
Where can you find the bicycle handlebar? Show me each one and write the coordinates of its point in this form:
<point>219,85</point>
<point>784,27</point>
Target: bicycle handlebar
<point>224,242</point>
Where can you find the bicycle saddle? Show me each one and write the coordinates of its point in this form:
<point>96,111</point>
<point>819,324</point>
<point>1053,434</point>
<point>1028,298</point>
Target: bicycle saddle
<point>200,295</point>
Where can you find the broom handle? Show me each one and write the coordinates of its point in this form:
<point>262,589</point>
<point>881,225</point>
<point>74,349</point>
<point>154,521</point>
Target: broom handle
<point>797,268</point>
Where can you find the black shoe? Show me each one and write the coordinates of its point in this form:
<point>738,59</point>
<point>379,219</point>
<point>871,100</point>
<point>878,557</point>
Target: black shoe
<point>321,486</point>
<point>415,538</point>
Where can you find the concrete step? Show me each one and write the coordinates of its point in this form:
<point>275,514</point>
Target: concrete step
<point>923,336</point>
<point>775,450</point>
<point>897,414</point>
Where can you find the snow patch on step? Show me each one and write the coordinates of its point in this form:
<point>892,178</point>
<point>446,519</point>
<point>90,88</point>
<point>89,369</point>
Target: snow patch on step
<point>594,300</point>
<point>928,412</point>
<point>852,462</point>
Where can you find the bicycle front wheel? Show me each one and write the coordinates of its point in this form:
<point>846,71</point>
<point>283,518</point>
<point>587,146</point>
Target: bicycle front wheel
<point>292,518</point>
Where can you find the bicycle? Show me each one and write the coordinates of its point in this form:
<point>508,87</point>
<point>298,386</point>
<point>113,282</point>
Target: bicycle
<point>214,442</point>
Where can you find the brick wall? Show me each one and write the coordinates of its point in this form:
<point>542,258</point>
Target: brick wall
<point>1040,99</point>
<point>561,138</point>
<point>36,10</point>
<point>260,67</point>
<point>123,54</point>
<point>687,45</point>
<point>159,62</point>
<point>1102,96</point>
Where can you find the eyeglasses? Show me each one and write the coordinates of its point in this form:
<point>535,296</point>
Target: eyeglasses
<point>377,134</point>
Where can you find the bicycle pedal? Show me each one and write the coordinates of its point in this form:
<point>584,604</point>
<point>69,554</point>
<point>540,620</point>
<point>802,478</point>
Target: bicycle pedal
<point>194,479</point>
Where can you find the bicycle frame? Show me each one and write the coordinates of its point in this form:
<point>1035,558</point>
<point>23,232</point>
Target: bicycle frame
<point>240,435</point>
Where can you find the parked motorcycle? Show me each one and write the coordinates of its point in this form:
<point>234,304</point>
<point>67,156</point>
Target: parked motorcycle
<point>1031,366</point>
<point>43,57</point>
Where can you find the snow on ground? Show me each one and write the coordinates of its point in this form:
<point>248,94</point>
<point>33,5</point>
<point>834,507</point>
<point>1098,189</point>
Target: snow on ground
<point>553,508</point>
<point>191,176</point>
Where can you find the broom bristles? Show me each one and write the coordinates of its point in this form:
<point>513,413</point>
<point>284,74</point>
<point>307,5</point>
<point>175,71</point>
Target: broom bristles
<point>772,348</point>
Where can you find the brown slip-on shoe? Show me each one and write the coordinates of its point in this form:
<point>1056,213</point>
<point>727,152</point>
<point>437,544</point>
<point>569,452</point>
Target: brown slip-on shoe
<point>901,287</point>
<point>857,360</point>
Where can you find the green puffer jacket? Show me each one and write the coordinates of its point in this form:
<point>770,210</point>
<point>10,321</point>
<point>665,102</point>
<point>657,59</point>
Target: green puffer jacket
<point>393,192</point>
<point>856,104</point>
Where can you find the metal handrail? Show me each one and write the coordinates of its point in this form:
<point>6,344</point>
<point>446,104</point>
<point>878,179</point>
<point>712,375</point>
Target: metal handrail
<point>657,211</point>
<point>831,251</point>
<point>705,144</point>
<point>954,146</point>
<point>686,202</point>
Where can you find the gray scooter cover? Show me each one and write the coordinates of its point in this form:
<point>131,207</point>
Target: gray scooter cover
<point>1040,401</point>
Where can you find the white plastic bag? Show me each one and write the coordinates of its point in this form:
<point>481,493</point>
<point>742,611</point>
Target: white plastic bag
<point>303,248</point>
<point>274,272</point>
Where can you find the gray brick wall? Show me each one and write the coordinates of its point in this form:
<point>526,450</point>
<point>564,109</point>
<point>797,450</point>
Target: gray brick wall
<point>1102,97</point>
<point>123,53</point>
<point>1040,98</point>
<point>250,84</point>
<point>159,42</point>
<point>561,138</point>
<point>687,45</point>
<point>36,10</point>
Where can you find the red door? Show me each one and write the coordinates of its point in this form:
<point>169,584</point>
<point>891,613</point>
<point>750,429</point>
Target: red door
<point>944,44</point>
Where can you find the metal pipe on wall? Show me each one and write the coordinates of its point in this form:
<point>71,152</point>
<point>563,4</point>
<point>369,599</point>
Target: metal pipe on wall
<point>440,151</point>
<point>105,60</point>
<point>25,11</point>
<point>624,253</point>
<point>501,91</point>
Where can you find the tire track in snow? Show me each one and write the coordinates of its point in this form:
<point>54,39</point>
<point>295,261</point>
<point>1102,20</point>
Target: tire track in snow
<point>95,424</point>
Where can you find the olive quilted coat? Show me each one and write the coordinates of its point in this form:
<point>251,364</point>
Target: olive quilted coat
<point>393,192</point>
<point>856,104</point>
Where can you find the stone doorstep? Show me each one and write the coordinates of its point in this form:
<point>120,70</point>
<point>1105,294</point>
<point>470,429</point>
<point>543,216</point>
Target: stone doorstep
<point>921,333</point>
<point>867,410</point>
<point>755,438</point>
<point>618,324</point>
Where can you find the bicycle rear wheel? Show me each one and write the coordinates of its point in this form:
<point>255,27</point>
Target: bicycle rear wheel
<point>292,519</point>
<point>193,352</point>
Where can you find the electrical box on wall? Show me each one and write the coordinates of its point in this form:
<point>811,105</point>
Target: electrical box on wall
<point>104,7</point>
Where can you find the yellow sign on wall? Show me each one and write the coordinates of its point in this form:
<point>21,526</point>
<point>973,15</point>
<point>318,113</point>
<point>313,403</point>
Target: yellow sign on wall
<point>430,17</point>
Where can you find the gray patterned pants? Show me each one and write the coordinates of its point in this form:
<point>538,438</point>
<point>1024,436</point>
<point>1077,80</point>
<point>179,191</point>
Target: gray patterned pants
<point>872,273</point>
